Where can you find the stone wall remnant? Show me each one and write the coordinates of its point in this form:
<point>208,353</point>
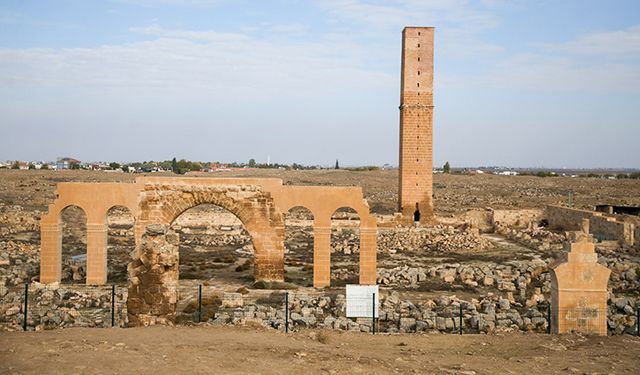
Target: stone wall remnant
<point>153,278</point>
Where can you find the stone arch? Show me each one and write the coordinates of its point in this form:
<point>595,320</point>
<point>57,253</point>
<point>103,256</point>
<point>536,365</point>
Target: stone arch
<point>193,256</point>
<point>299,245</point>
<point>163,203</point>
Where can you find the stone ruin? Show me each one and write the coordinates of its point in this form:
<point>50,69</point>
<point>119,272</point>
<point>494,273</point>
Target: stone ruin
<point>156,202</point>
<point>153,278</point>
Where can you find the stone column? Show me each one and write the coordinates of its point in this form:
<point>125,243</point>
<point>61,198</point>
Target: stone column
<point>579,291</point>
<point>50,252</point>
<point>321,256</point>
<point>96,254</point>
<point>368,248</point>
<point>268,257</point>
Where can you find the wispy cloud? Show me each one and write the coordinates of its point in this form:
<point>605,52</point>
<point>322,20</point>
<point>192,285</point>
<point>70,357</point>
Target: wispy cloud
<point>459,23</point>
<point>198,59</point>
<point>593,62</point>
<point>204,36</point>
<point>607,44</point>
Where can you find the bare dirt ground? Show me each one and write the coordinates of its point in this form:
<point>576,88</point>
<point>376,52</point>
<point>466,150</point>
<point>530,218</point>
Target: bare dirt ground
<point>228,350</point>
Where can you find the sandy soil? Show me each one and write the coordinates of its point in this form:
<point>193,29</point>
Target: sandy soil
<point>228,350</point>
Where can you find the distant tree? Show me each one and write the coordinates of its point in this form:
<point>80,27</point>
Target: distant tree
<point>446,168</point>
<point>114,165</point>
<point>32,166</point>
<point>44,166</point>
<point>174,165</point>
<point>15,165</point>
<point>252,163</point>
<point>337,165</point>
<point>74,165</point>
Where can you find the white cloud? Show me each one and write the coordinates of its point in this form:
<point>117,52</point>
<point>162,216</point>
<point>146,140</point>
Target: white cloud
<point>204,36</point>
<point>593,62</point>
<point>458,23</point>
<point>604,44</point>
<point>195,59</point>
<point>566,73</point>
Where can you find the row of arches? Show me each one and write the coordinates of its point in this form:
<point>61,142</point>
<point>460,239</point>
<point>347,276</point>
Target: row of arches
<point>215,245</point>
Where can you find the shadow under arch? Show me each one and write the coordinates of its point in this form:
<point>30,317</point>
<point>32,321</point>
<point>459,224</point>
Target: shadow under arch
<point>299,246</point>
<point>73,239</point>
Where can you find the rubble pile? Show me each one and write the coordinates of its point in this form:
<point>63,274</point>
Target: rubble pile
<point>16,219</point>
<point>625,271</point>
<point>435,239</point>
<point>535,238</point>
<point>514,276</point>
<point>55,306</point>
<point>487,314</point>
<point>19,262</point>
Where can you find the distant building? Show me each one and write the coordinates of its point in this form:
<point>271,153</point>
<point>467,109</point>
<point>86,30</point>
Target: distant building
<point>65,163</point>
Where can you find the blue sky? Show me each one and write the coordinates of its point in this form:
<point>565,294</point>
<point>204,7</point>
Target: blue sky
<point>517,83</point>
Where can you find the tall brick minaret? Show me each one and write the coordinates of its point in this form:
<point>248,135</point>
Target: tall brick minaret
<point>416,123</point>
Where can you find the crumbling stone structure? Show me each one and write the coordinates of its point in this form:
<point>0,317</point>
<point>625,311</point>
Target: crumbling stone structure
<point>579,290</point>
<point>153,278</point>
<point>258,203</point>
<point>416,124</point>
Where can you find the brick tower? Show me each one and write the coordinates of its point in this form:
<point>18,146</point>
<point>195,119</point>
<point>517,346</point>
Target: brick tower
<point>416,123</point>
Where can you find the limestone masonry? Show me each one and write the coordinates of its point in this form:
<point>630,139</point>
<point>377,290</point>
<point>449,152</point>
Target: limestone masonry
<point>258,203</point>
<point>416,118</point>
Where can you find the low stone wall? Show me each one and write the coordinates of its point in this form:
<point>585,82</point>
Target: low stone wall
<point>601,226</point>
<point>566,218</point>
<point>607,228</point>
<point>487,219</point>
<point>517,218</point>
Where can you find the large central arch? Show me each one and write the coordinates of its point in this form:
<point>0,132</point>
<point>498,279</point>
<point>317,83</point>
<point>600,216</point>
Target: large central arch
<point>163,203</point>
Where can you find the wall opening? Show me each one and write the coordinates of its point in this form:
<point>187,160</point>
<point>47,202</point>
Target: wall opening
<point>215,251</point>
<point>74,245</point>
<point>345,247</point>
<point>121,243</point>
<point>298,246</point>
<point>215,247</point>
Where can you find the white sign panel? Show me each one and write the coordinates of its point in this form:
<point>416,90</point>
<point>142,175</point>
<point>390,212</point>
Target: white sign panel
<point>360,301</point>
